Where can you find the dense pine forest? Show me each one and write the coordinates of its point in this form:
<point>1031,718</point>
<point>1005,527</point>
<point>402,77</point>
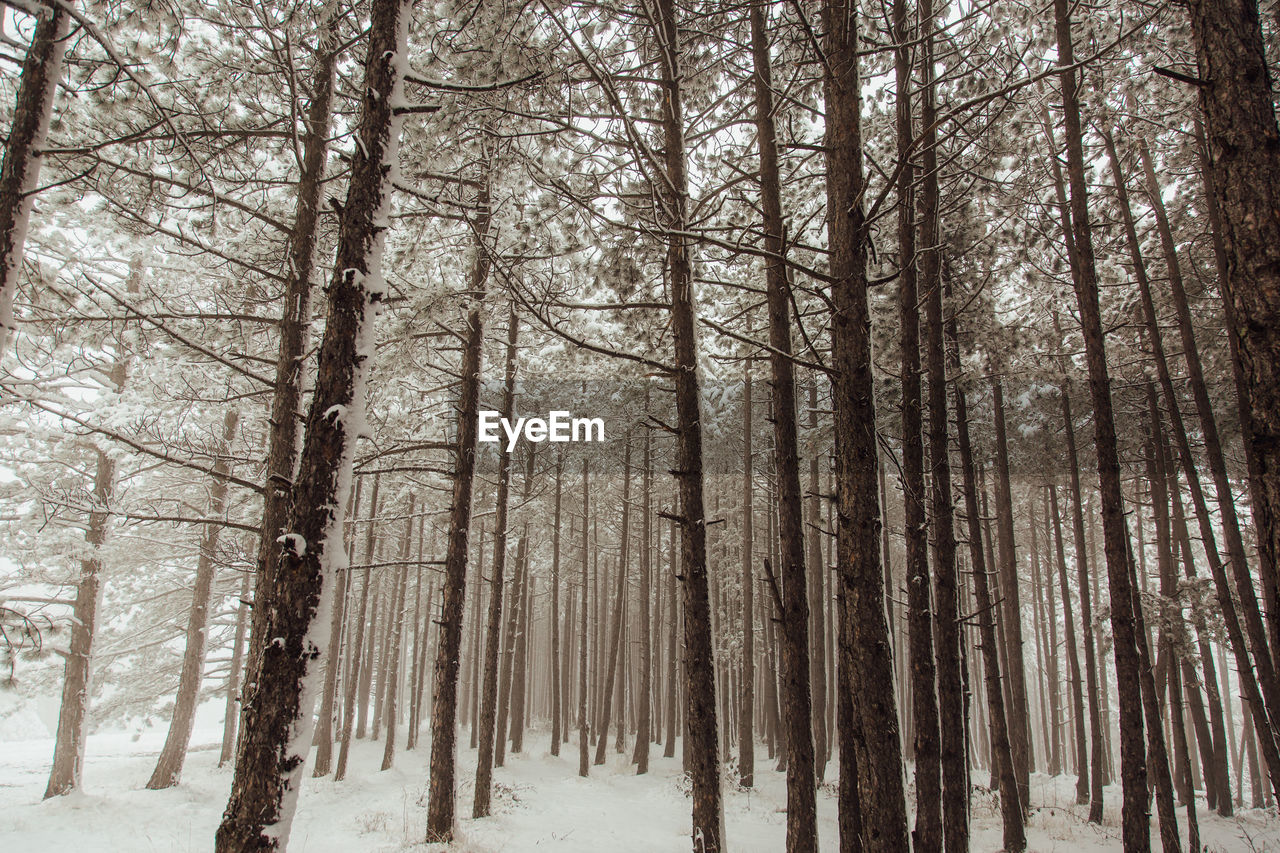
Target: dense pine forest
<point>565,425</point>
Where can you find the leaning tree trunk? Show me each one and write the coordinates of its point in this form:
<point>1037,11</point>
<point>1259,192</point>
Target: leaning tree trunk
<point>23,153</point>
<point>793,600</point>
<point>169,766</point>
<point>1135,822</point>
<point>444,704</point>
<point>873,801</point>
<point>278,722</point>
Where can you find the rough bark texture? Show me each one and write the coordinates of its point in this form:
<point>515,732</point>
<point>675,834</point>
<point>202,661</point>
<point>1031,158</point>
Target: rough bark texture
<point>797,710</point>
<point>1244,156</point>
<point>1134,820</point>
<point>295,602</point>
<point>20,172</point>
<point>444,706</point>
<point>1003,778</point>
<point>873,807</point>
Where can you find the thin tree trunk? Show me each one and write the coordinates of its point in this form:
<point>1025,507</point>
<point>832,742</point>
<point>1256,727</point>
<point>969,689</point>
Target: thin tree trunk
<point>1073,655</point>
<point>231,714</point>
<point>556,699</point>
<point>497,590</point>
<point>355,672</point>
<point>584,735</point>
<point>1003,778</point>
<point>643,702</point>
<point>396,620</point>
<point>169,766</point>
<point>441,807</point>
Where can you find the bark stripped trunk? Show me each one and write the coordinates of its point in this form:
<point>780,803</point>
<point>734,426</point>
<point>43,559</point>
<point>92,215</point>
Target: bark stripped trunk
<point>20,172</point>
<point>873,807</point>
<point>295,602</point>
<point>441,807</point>
<point>169,766</point>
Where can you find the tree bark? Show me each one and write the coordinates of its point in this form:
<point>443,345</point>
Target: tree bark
<point>872,802</point>
<point>169,765</point>
<point>497,591</point>
<point>23,153</point>
<point>1003,777</point>
<point>1135,828</point>
<point>441,808</point>
<point>278,722</point>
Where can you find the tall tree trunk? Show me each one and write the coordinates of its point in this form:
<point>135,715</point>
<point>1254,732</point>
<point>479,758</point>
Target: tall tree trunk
<point>927,834</point>
<point>278,722</point>
<point>747,696</point>
<point>643,702</point>
<point>1260,691</point>
<point>1011,607</point>
<point>23,153</point>
<point>497,590</point>
<point>1244,153</point>
<point>230,714</point>
<point>613,662</point>
<point>947,639</point>
<point>337,642</point>
<point>584,735</point>
<point>700,695</point>
<point>1003,777</point>
<point>1073,655</point>
<point>77,678</point>
<point>873,806</point>
<point>1135,823</point>
<point>441,808</point>
<point>793,603</point>
<point>396,620</point>
<point>295,335</point>
<point>169,766</point>
<point>556,698</point>
<point>357,646</point>
<point>506,672</point>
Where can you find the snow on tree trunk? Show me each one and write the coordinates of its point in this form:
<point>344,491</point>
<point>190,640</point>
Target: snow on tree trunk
<point>278,722</point>
<point>22,153</point>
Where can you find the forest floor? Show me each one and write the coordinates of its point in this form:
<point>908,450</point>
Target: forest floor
<point>540,803</point>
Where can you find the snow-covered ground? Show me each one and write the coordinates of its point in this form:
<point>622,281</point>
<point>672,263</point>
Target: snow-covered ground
<point>540,803</point>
